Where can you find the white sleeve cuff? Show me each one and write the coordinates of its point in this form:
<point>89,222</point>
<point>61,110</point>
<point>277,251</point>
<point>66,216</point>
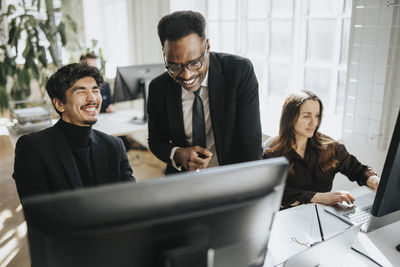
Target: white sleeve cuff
<point>171,157</point>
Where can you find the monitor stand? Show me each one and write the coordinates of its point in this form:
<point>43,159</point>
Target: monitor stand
<point>143,120</point>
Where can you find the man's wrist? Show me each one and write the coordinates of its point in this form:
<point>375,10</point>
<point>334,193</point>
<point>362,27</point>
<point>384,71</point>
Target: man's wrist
<point>171,157</point>
<point>315,198</point>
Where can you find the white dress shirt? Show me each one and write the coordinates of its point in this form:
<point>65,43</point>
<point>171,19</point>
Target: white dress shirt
<point>187,109</point>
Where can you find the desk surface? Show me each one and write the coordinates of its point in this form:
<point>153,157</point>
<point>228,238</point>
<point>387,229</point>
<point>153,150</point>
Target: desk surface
<point>119,122</point>
<point>379,245</point>
<point>301,223</point>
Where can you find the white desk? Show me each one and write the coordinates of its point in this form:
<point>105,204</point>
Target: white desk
<point>379,245</point>
<point>118,123</point>
<point>301,223</point>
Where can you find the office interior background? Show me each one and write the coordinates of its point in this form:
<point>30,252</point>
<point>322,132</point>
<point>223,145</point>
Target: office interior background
<point>347,52</point>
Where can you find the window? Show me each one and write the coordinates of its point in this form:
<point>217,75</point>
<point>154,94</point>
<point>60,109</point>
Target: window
<point>294,45</point>
<point>107,22</point>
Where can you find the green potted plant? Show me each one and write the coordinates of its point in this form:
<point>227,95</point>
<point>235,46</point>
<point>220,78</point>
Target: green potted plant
<point>35,34</point>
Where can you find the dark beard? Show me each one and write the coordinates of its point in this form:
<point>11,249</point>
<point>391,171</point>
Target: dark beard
<point>90,123</point>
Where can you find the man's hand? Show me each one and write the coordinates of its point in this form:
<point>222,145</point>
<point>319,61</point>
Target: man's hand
<point>332,198</point>
<point>111,108</point>
<point>373,182</point>
<point>192,158</point>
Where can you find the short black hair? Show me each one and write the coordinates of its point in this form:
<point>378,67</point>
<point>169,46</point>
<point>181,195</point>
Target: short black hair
<point>66,76</point>
<point>180,24</point>
<point>86,56</point>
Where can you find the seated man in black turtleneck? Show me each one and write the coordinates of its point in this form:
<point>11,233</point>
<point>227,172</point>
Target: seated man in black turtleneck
<point>70,154</point>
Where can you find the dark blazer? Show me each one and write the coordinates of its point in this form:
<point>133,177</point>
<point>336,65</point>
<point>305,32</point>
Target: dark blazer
<point>44,162</point>
<point>105,96</point>
<point>234,111</point>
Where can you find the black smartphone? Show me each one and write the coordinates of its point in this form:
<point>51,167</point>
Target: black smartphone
<point>398,247</point>
<point>201,155</point>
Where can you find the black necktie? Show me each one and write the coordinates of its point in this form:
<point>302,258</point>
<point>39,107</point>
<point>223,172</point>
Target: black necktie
<point>198,123</point>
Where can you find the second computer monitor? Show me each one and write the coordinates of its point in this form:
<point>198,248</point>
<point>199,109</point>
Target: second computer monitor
<point>132,82</point>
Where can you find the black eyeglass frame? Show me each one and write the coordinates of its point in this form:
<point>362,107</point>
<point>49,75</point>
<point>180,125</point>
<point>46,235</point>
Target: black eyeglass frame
<point>190,65</point>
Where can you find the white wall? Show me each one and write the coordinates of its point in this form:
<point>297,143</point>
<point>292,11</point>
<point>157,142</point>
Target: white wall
<point>373,84</point>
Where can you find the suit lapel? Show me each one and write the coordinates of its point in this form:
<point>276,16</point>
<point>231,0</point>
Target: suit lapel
<point>99,158</point>
<point>66,158</point>
<point>175,116</point>
<point>216,100</point>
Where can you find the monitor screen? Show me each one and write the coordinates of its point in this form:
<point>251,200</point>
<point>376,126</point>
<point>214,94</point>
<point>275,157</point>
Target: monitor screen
<point>386,207</point>
<point>216,217</point>
<point>131,80</point>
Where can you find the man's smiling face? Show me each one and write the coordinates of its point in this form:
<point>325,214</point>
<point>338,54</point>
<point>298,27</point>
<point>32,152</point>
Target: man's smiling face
<point>82,102</point>
<point>189,49</point>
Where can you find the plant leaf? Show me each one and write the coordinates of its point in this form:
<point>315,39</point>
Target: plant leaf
<point>27,79</point>
<point>32,21</point>
<point>11,9</point>
<point>27,49</point>
<point>11,66</point>
<point>72,23</point>
<point>35,70</point>
<point>13,42</point>
<point>42,56</point>
<point>12,31</point>
<point>61,30</point>
<point>23,78</point>
<point>3,76</point>
<point>4,98</point>
<point>44,26</point>
<point>94,43</point>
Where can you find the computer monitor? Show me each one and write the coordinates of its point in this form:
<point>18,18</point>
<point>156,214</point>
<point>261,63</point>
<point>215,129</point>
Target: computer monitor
<point>386,207</point>
<point>132,82</point>
<point>216,217</point>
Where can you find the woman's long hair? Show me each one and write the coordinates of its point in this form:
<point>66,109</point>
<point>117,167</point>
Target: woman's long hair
<point>286,139</point>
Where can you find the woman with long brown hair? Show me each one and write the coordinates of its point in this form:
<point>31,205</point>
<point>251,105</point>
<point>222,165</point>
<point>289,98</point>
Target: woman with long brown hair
<point>314,157</point>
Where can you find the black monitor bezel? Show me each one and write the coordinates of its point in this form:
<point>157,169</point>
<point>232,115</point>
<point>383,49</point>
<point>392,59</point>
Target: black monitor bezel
<point>145,72</point>
<point>378,210</point>
<point>225,198</point>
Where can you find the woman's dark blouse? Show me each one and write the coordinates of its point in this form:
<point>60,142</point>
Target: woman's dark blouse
<point>309,179</point>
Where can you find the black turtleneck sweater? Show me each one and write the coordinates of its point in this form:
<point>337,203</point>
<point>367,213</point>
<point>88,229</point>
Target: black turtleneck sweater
<point>78,138</point>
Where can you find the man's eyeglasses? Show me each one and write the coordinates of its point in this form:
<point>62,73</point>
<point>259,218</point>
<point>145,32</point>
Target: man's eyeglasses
<point>194,65</point>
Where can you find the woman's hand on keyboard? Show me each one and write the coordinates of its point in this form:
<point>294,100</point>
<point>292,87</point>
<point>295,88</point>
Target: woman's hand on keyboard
<point>332,198</point>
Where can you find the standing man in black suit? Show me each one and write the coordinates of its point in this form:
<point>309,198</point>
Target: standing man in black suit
<point>204,111</point>
<point>70,154</point>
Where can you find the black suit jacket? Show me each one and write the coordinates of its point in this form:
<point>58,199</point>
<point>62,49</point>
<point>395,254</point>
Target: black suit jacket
<point>44,162</point>
<point>105,96</point>
<point>234,111</point>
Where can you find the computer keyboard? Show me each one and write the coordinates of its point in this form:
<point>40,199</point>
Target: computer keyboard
<point>359,216</point>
